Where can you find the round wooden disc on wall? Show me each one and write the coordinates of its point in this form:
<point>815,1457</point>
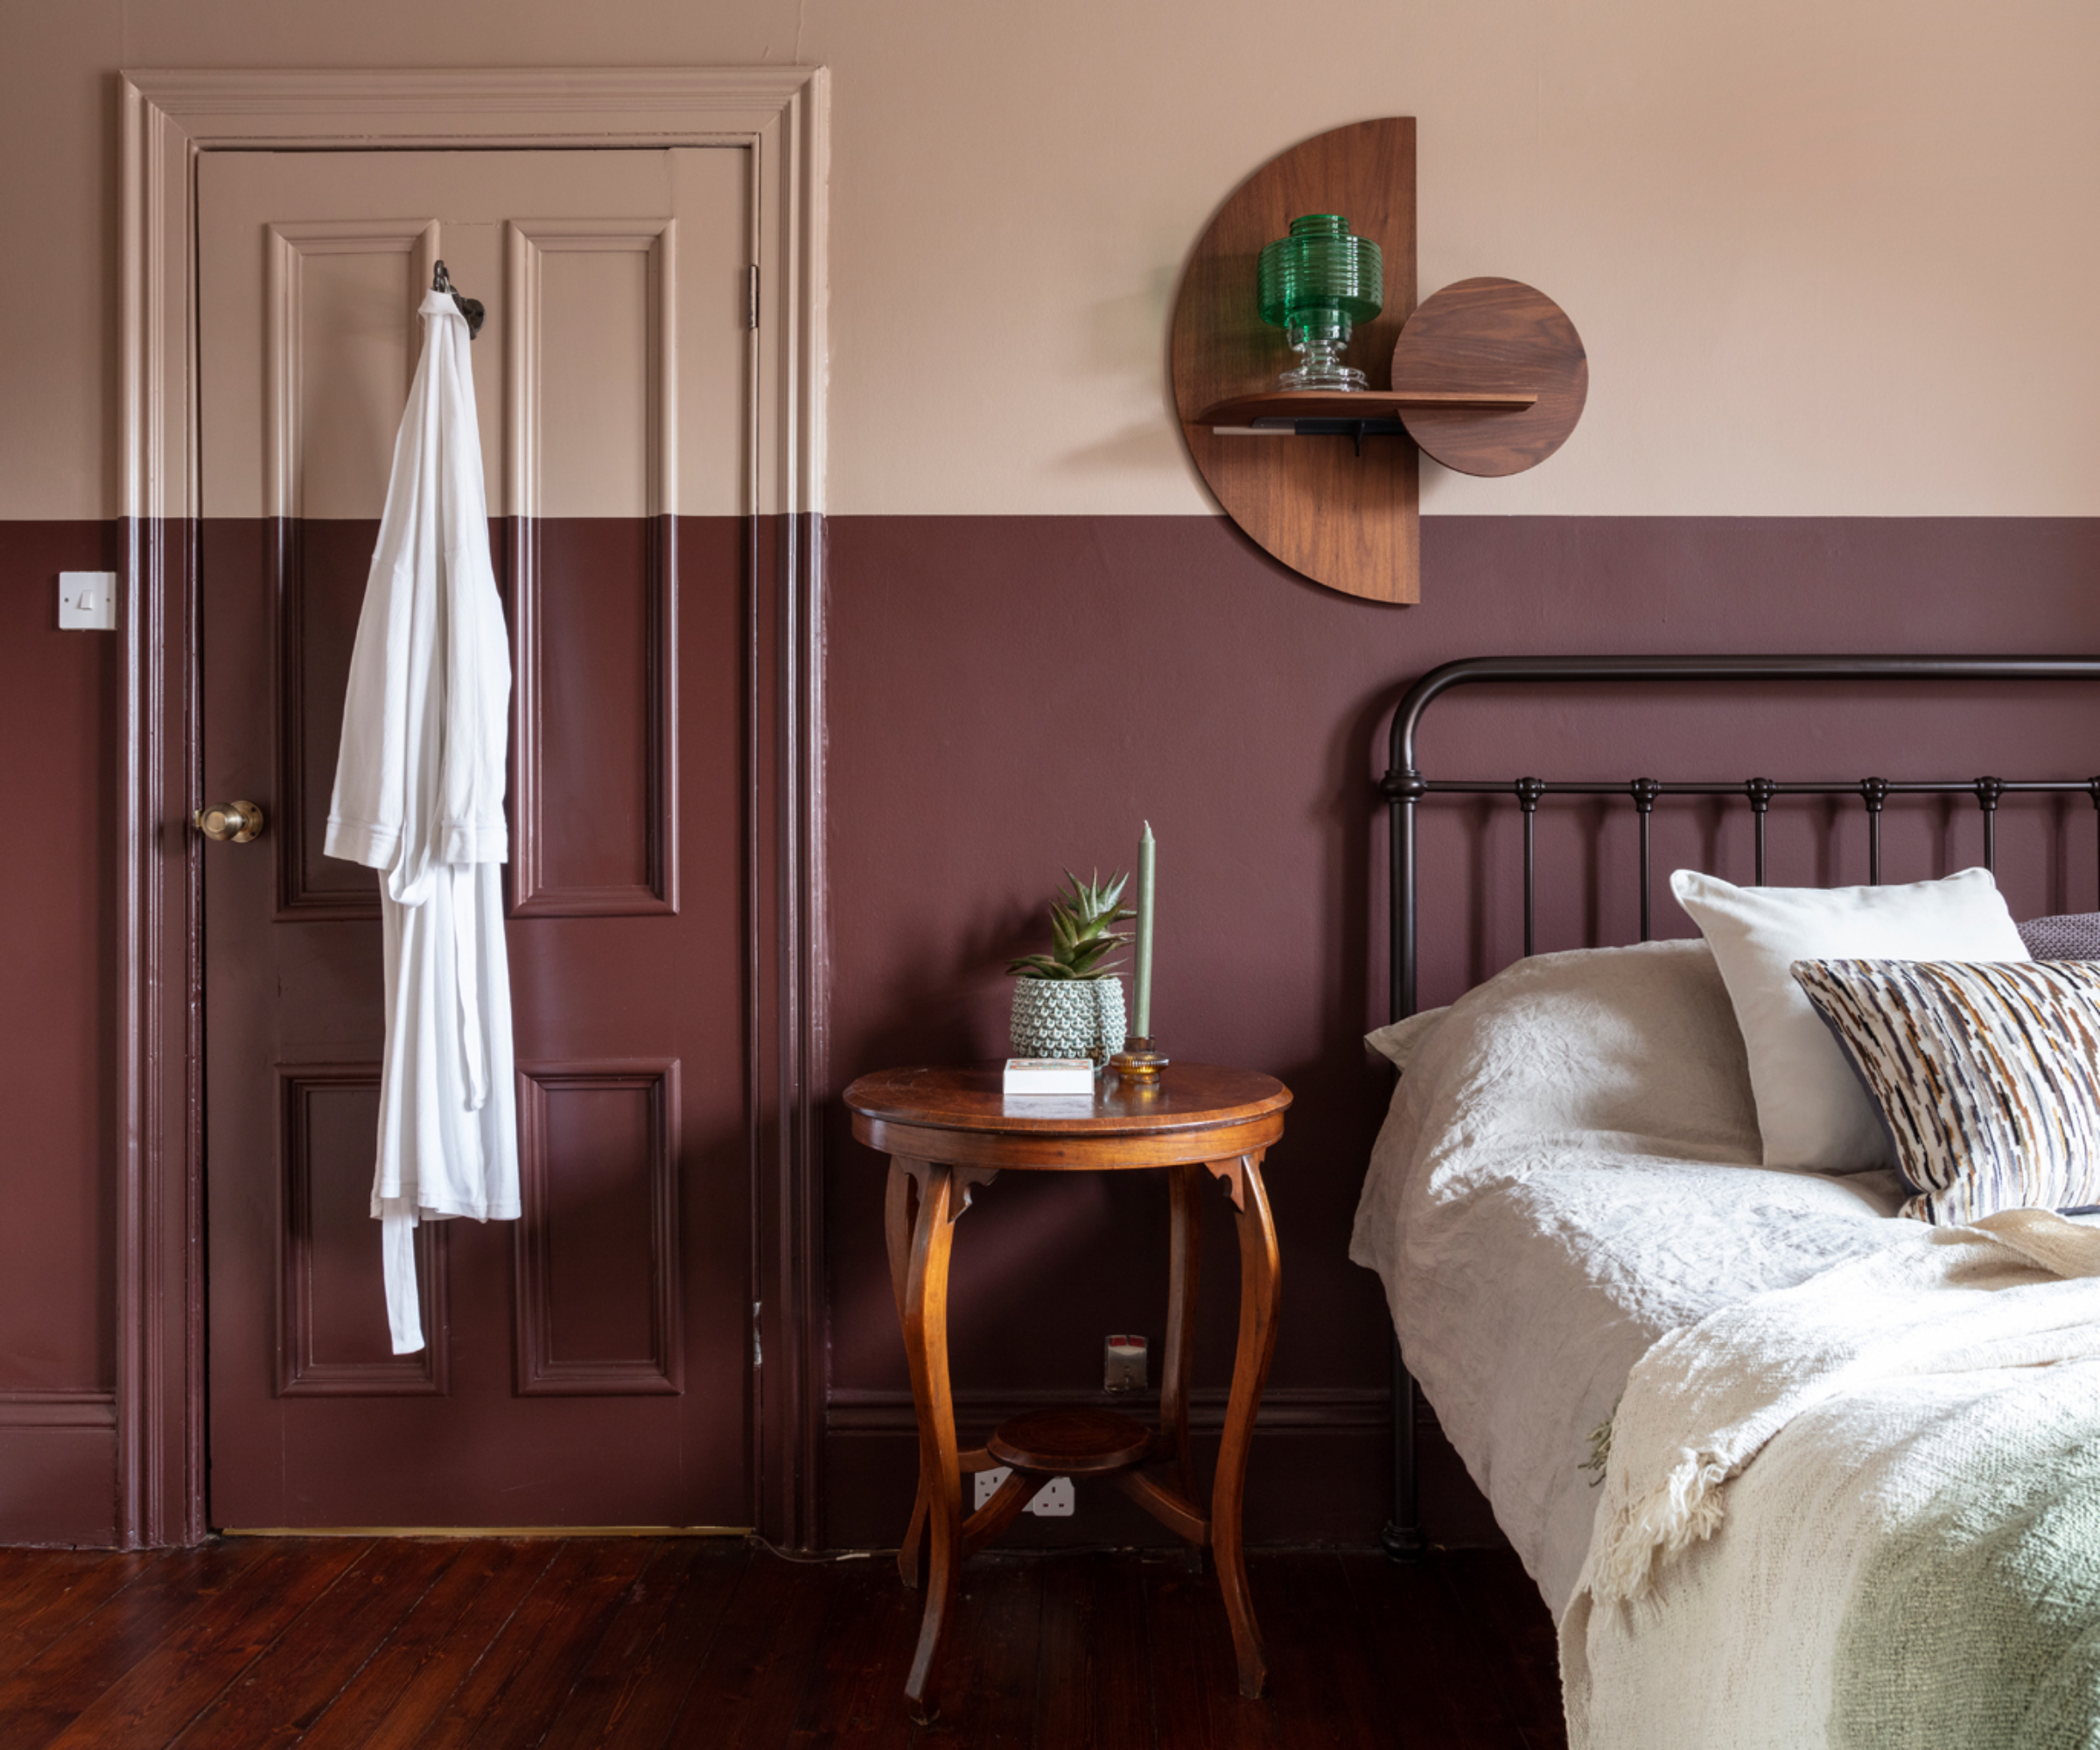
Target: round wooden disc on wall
<point>1482,333</point>
<point>1343,519</point>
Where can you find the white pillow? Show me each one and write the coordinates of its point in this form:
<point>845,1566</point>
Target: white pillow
<point>1810,1106</point>
<point>1398,1042</point>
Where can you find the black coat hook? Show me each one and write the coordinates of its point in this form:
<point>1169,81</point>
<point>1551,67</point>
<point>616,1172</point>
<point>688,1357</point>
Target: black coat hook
<point>469,307</point>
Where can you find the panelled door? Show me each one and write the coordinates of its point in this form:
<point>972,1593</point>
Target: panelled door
<point>591,1364</point>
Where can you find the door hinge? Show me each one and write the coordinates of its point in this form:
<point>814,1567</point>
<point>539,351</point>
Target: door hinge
<point>758,1346</point>
<point>751,315</point>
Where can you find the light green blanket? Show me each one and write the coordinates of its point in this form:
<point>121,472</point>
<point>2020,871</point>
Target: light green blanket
<point>1976,1622</point>
<point>1864,1511</point>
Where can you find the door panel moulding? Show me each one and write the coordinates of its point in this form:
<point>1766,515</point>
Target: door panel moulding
<point>536,891</point>
<point>303,887</point>
<point>167,118</point>
<point>302,1371</point>
<point>543,1368</point>
<point>289,246</point>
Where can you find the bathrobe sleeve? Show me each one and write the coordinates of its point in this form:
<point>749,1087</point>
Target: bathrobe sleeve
<point>477,656</point>
<point>377,810</point>
<point>369,806</point>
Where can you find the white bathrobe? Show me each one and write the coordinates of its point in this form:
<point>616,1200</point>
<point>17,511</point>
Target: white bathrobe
<point>419,795</point>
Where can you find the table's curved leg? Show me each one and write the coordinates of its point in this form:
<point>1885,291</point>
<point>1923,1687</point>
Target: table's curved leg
<point>939,1476</point>
<point>911,1566</point>
<point>1008,1502</point>
<point>1184,1237</point>
<point>897,1234</point>
<point>1260,1267</point>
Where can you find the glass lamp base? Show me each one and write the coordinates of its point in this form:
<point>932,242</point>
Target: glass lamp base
<point>1308,375</point>
<point>1320,337</point>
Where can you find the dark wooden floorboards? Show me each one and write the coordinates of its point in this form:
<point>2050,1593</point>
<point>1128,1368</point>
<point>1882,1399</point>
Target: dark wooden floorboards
<point>557,1645</point>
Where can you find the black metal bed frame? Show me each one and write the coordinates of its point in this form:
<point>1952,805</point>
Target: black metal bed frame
<point>1405,789</point>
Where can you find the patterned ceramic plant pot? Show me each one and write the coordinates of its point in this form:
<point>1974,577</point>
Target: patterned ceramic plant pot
<point>1068,1018</point>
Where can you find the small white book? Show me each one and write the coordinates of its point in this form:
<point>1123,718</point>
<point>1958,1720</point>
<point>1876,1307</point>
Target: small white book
<point>1049,1075</point>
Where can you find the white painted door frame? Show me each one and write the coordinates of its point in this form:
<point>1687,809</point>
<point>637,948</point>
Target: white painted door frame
<point>168,118</point>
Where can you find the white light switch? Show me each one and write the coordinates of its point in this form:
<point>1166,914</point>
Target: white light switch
<point>87,601</point>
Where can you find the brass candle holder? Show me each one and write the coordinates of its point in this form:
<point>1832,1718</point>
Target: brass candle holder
<point>1137,1063</point>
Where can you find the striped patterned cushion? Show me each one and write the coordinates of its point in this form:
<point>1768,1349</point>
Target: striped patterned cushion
<point>1987,1074</point>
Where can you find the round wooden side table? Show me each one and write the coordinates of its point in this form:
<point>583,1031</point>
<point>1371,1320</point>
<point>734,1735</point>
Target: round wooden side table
<point>948,1131</point>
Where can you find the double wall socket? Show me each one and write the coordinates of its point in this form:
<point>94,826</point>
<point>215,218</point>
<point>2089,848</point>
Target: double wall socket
<point>1053,1501</point>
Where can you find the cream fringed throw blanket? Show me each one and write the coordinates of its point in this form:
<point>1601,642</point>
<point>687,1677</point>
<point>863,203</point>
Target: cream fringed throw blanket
<point>1914,1558</point>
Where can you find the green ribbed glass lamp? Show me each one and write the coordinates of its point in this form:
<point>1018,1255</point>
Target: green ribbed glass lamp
<point>1316,285</point>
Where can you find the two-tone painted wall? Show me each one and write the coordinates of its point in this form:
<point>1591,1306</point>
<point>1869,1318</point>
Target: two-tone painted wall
<point>1833,272</point>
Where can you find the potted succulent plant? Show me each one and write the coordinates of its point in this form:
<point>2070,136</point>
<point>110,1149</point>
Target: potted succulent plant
<point>1069,1003</point>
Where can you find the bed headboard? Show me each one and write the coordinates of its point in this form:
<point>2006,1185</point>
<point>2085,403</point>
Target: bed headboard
<point>1405,787</point>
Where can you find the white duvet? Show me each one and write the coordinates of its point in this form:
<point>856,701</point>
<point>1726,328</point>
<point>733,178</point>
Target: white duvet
<point>1569,1172</point>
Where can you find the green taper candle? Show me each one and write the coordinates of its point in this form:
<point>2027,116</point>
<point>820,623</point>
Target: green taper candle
<point>1143,1016</point>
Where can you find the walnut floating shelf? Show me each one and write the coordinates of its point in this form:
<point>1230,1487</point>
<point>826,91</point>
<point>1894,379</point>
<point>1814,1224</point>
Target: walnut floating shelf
<point>1382,407</point>
<point>1488,376</point>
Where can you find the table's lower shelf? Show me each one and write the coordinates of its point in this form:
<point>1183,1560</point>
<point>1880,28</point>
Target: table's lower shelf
<point>1099,1445</point>
<point>1071,1442</point>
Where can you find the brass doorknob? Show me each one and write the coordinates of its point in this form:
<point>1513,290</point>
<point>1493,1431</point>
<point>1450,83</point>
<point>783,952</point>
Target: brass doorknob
<point>231,822</point>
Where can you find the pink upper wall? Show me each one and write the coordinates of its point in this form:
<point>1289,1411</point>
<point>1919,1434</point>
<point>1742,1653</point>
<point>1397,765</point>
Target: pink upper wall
<point>1828,260</point>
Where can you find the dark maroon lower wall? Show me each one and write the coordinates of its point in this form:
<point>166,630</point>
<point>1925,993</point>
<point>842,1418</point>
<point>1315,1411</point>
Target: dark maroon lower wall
<point>61,745</point>
<point>1011,696</point>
